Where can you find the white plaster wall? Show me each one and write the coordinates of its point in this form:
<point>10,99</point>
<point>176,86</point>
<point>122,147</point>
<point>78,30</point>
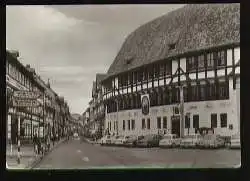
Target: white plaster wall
<point>174,66</point>
<point>203,108</point>
<point>229,57</point>
<point>183,64</point>
<point>237,54</point>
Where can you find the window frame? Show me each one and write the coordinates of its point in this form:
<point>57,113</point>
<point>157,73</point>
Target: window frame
<point>214,122</point>
<point>158,122</point>
<point>194,121</point>
<point>221,120</point>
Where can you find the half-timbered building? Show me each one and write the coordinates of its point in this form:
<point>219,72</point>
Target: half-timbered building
<point>196,47</point>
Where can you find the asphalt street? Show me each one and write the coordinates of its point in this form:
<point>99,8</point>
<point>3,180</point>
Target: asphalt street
<point>81,155</point>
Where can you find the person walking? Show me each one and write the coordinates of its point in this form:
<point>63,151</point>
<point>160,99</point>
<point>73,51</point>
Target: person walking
<point>35,143</point>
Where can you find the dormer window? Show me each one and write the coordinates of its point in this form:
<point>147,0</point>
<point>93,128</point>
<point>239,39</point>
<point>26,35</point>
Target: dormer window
<point>128,61</point>
<point>171,46</point>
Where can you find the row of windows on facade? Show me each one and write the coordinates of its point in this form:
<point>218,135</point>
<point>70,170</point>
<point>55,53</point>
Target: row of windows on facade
<point>198,62</point>
<point>24,80</point>
<point>213,91</point>
<point>162,124</point>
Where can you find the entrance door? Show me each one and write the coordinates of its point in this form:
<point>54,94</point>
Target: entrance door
<point>175,125</point>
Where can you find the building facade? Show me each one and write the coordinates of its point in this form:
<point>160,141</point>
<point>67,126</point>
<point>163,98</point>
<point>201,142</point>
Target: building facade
<point>142,93</point>
<point>38,119</point>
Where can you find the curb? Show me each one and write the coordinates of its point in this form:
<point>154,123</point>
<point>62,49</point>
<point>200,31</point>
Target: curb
<point>37,161</point>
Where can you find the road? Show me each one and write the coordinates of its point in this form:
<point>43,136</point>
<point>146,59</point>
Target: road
<point>80,155</point>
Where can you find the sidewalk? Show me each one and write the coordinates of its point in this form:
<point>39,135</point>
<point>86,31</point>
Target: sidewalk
<point>28,157</point>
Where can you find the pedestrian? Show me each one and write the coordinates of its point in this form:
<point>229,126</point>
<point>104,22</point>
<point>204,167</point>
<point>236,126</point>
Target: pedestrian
<point>35,143</point>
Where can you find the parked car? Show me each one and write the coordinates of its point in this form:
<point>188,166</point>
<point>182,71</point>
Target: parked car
<point>131,141</point>
<point>170,140</point>
<point>211,141</point>
<point>119,140</point>
<point>235,141</point>
<point>76,136</point>
<point>106,140</point>
<point>151,140</point>
<point>191,140</point>
<point>113,139</point>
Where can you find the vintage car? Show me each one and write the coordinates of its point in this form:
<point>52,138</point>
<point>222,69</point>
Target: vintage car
<point>105,140</point>
<point>114,139</point>
<point>151,140</point>
<point>76,136</point>
<point>170,140</point>
<point>235,141</point>
<point>191,140</point>
<point>132,140</point>
<point>119,140</point>
<point>211,141</point>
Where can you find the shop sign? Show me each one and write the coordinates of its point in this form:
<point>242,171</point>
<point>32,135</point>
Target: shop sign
<point>145,104</point>
<point>192,107</point>
<point>25,103</point>
<point>14,83</point>
<point>26,94</point>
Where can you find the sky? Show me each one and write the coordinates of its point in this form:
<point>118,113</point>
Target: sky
<point>69,44</point>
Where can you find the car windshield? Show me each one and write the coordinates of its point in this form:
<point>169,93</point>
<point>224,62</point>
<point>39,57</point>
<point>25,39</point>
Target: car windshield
<point>140,137</point>
<point>108,137</point>
<point>236,136</point>
<point>127,137</point>
<point>167,137</point>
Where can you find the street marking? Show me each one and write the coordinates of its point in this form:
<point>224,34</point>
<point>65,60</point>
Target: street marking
<point>79,151</point>
<point>86,159</point>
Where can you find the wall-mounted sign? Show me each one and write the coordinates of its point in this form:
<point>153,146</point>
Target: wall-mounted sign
<point>26,94</point>
<point>14,83</point>
<point>25,103</point>
<point>145,103</point>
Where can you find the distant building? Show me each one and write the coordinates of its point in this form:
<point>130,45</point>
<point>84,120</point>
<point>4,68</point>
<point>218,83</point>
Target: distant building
<point>197,47</point>
<point>43,119</point>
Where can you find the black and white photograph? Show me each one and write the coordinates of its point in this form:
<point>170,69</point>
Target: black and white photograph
<point>123,86</point>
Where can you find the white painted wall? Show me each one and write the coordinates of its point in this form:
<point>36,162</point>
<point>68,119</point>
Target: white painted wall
<point>174,66</point>
<point>204,109</point>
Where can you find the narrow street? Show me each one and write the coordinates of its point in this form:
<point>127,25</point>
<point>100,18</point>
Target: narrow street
<point>81,155</point>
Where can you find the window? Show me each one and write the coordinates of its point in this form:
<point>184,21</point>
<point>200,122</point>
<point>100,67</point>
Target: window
<point>213,120</point>
<point>165,122</point>
<point>211,91</point>
<point>223,90</point>
<point>221,58</point>
<point>202,92</point>
<point>194,93</point>
<point>159,122</point>
<point>185,94</point>
<point>210,60</point>
<point>133,124</point>
<point>168,68</point>
<point>187,122</point>
<point>195,121</point>
<point>201,61</point>
<point>143,124</point>
<point>223,119</point>
<point>156,71</point>
<point>148,123</point>
<point>162,69</point>
<point>128,124</point>
<point>123,125</point>
<point>139,74</point>
<point>145,74</point>
<point>114,124</point>
<point>191,63</point>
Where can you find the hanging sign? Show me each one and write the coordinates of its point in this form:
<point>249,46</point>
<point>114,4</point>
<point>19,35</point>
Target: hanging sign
<point>145,103</point>
<point>26,94</point>
<point>25,103</point>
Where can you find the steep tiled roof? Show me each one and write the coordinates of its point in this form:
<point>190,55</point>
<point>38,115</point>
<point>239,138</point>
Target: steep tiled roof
<point>187,29</point>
